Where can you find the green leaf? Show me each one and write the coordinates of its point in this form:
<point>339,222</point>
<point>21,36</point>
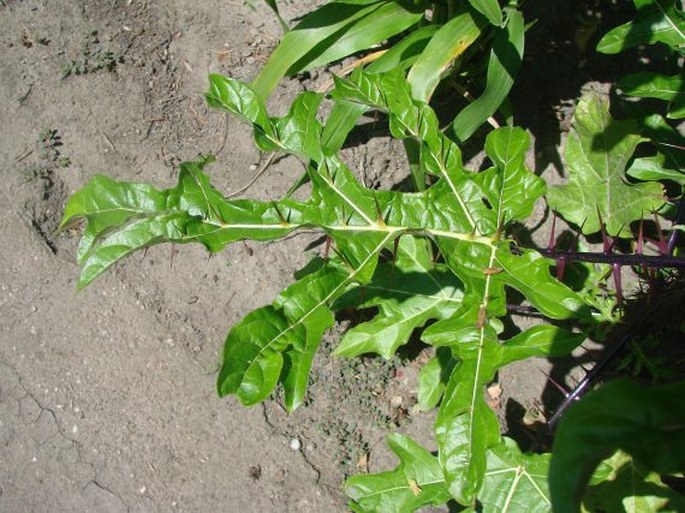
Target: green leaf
<point>654,85</point>
<point>631,487</point>
<point>449,43</point>
<point>107,204</point>
<point>597,153</point>
<point>654,168</point>
<point>400,56</point>
<point>489,8</point>
<point>646,422</point>
<point>253,353</point>
<point>542,341</point>
<point>657,21</point>
<point>296,304</point>
<point>298,133</point>
<point>238,98</point>
<point>416,482</point>
<point>529,273</point>
<point>511,188</point>
<point>407,295</point>
<point>503,65</point>
<point>515,482</point>
<point>433,378</point>
<point>331,32</point>
<point>669,141</point>
<point>390,19</point>
<point>465,426</point>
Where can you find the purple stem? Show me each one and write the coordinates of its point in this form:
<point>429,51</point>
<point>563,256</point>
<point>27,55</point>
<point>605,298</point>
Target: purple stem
<point>679,219</point>
<point>615,259</point>
<point>584,384</point>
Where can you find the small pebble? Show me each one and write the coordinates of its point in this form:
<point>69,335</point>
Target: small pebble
<point>295,444</point>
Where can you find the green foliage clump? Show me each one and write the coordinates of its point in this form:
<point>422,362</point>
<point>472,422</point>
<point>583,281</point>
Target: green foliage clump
<point>440,261</point>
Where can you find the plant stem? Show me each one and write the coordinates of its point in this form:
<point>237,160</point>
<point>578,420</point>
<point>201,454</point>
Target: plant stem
<point>610,258</point>
<point>584,384</point>
<point>679,219</point>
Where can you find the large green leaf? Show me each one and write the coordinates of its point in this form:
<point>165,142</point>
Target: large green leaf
<point>416,482</point>
<point>449,43</point>
<point>646,422</point>
<point>515,482</point>
<point>657,21</point>
<point>333,31</point>
<point>654,85</point>
<point>503,65</point>
<point>633,488</point>
<point>510,185</point>
<point>597,153</point>
<point>408,293</point>
<point>489,8</point>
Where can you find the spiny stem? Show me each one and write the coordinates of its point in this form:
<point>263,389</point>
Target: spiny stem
<point>585,383</point>
<point>614,259</point>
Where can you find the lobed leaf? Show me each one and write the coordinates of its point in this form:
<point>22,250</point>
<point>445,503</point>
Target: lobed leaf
<point>515,482</point>
<point>597,153</point>
<point>409,292</point>
<point>510,187</point>
<point>657,21</point>
<point>254,351</point>
<point>417,481</point>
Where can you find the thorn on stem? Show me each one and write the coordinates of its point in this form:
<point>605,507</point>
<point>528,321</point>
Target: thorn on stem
<point>616,271</point>
<point>552,244</point>
<point>558,386</point>
<point>662,244</point>
<point>561,267</point>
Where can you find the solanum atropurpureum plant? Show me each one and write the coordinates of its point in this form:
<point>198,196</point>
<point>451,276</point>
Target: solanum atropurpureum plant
<point>463,216</point>
<point>442,257</point>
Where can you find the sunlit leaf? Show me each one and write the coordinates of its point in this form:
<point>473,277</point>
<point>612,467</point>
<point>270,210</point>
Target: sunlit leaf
<point>503,65</point>
<point>657,21</point>
<point>515,482</point>
<point>416,482</point>
<point>597,153</point>
<point>448,43</point>
<point>332,32</point>
<point>408,293</point>
<point>489,8</point>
